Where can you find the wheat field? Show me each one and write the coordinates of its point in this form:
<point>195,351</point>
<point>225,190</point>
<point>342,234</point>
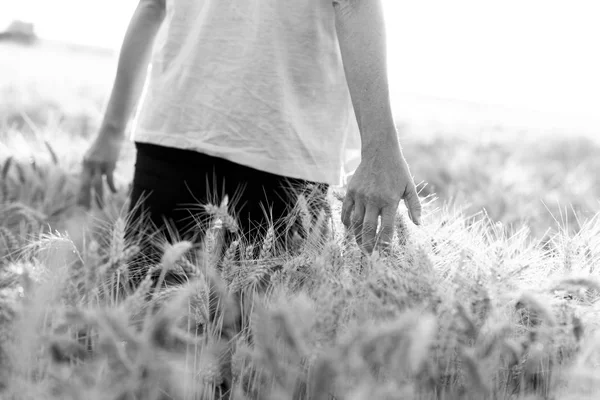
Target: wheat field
<point>494,297</point>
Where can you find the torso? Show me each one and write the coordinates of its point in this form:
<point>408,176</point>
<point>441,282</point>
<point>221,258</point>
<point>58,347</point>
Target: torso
<point>257,82</point>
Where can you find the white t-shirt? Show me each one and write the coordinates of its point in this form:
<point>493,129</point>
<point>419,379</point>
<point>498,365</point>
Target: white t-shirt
<point>257,82</point>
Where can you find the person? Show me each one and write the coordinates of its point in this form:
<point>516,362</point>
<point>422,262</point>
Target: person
<point>249,99</point>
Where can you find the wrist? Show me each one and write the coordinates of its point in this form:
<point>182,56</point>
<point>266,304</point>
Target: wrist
<point>112,130</point>
<point>377,142</point>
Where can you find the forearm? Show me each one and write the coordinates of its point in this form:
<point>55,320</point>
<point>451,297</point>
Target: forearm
<point>361,35</point>
<point>132,66</point>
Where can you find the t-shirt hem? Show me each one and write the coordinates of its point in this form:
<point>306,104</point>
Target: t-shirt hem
<point>285,168</point>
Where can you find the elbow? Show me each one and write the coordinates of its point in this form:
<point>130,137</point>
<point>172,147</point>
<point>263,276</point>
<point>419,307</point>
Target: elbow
<point>346,4</point>
<point>343,3</point>
<point>347,8</point>
<point>156,8</point>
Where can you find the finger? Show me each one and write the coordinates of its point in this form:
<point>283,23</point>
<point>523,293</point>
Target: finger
<point>410,215</point>
<point>388,218</point>
<point>86,187</point>
<point>358,215</point>
<point>411,199</point>
<point>369,228</point>
<point>110,180</point>
<point>98,187</point>
<point>347,207</point>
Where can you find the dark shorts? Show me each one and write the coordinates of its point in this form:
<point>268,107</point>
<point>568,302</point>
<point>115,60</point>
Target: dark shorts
<point>171,185</point>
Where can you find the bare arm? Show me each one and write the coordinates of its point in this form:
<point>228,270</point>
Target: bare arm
<point>361,36</point>
<point>383,178</point>
<point>101,158</point>
<point>132,65</point>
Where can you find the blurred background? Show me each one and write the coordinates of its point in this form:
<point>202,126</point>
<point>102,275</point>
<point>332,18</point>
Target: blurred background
<point>528,62</point>
<point>496,102</point>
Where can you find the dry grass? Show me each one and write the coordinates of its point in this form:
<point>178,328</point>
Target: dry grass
<point>464,307</point>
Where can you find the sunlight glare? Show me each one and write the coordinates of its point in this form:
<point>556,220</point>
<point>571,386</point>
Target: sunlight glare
<point>536,55</point>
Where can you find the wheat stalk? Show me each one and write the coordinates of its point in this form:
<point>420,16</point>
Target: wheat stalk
<point>268,242</point>
<point>228,263</point>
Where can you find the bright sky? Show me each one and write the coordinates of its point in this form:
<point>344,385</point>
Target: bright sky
<point>533,54</point>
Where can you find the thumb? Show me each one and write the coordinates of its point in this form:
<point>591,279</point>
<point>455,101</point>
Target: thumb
<point>411,199</point>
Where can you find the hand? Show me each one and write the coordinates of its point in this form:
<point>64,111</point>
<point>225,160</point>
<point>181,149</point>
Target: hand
<point>100,160</point>
<point>381,180</point>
